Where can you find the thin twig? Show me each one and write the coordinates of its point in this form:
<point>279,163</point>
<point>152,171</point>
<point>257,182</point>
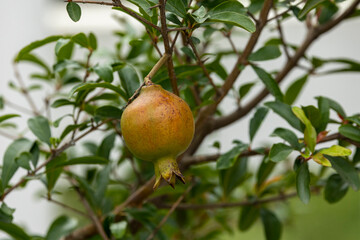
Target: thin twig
<point>172,209</point>
<point>154,43</point>
<point>92,215</point>
<point>67,207</point>
<point>25,91</point>
<point>282,38</point>
<point>168,50</point>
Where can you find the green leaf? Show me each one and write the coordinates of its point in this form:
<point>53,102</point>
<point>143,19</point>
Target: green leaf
<point>228,6</point>
<point>35,153</point>
<point>28,57</point>
<point>320,159</point>
<point>40,127</point>
<point>118,229</point>
<point>105,72</point>
<point>62,226</point>
<point>12,152</point>
<point>328,10</point>
<point>81,39</point>
<point>83,160</point>
<point>61,102</point>
<point>108,112</point>
<point>177,7</point>
<point>232,177</point>
<point>106,145</point>
<point>284,110</point>
<point>74,11</point>
<point>6,213</point>
<point>350,132</point>
<point>265,53</point>
<point>335,188</point>
<point>101,183</point>
<point>8,116</point>
<point>64,49</point>
<point>336,151</point>
<point>92,41</point>
<point>303,183</point>
<point>188,52</point>
<point>354,119</point>
<point>34,45</point>
<point>324,106</point>
<point>356,158</point>
<point>279,152</point>
<point>23,160</point>
<point>310,134</point>
<point>309,5</point>
<point>129,79</point>
<point>346,171</point>
<point>288,136</point>
<point>244,89</point>
<point>334,106</point>
<point>53,173</point>
<point>89,86</point>
<point>249,214</point>
<point>233,18</point>
<point>173,18</point>
<point>270,83</point>
<point>144,5</point>
<point>272,226</point>
<point>294,90</point>
<point>264,171</point>
<point>200,15</point>
<point>228,159</point>
<point>183,71</point>
<point>256,121</point>
<point>14,231</point>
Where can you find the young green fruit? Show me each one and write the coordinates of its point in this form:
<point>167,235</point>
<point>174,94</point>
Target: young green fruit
<point>158,126</point>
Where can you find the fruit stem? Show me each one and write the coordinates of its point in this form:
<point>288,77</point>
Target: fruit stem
<point>153,71</point>
<point>168,169</point>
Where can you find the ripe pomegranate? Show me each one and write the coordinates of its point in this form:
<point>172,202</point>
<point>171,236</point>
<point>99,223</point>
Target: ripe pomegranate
<point>158,126</point>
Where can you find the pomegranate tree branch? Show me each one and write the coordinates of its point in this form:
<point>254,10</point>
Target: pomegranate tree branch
<point>312,35</point>
<point>168,49</point>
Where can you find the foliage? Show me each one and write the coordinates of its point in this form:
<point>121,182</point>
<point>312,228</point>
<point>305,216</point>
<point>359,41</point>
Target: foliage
<point>91,94</point>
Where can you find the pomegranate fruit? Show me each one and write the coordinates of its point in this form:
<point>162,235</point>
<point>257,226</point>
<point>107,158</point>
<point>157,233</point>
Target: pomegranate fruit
<point>158,126</point>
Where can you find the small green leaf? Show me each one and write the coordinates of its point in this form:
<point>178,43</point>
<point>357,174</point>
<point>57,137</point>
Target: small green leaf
<point>188,52</point>
<point>177,7</point>
<point>270,83</point>
<point>81,39</point>
<point>64,49</point>
<point>303,183</point>
<point>233,18</point>
<point>129,79</point>
<point>12,152</point>
<point>228,6</point>
<point>53,173</point>
<point>272,225</point>
<point>356,157</point>
<point>105,72</point>
<point>232,177</point>
<point>108,112</point>
<point>40,127</point>
<point>200,15</point>
<point>320,159</point>
<point>309,5</point>
<point>279,152</point>
<point>228,159</point>
<point>354,119</point>
<point>62,226</point>
<point>118,229</point>
<point>6,213</point>
<point>14,231</point>
<point>335,188</point>
<point>336,151</point>
<point>74,11</point>
<point>28,48</point>
<point>324,107</point>
<point>144,5</point>
<point>310,134</point>
<point>244,89</point>
<point>89,86</point>
<point>92,41</point>
<point>256,121</point>
<point>294,90</point>
<point>288,136</point>
<point>249,214</point>
<point>106,145</point>
<point>350,132</point>
<point>265,53</point>
<point>83,160</point>
<point>264,171</point>
<point>334,106</point>
<point>61,102</point>
<point>23,160</point>
<point>346,171</point>
<point>173,18</point>
<point>35,153</point>
<point>8,116</point>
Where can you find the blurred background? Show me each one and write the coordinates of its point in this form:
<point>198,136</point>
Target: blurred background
<point>24,21</point>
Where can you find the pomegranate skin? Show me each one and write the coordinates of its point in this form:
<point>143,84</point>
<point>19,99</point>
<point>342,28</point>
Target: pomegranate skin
<point>158,126</point>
